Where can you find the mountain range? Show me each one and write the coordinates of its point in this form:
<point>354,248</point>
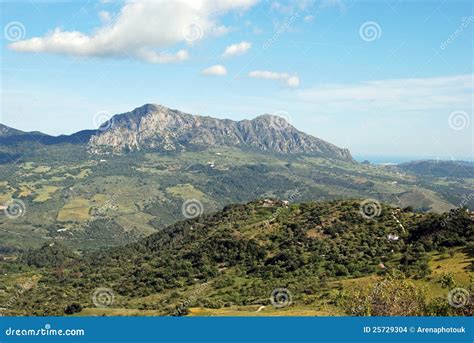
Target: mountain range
<point>159,212</point>
<point>158,128</point>
<point>132,176</point>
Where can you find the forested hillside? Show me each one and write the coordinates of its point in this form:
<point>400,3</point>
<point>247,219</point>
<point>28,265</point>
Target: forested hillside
<point>318,252</point>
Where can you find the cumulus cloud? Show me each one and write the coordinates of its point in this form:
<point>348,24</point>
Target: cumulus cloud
<point>237,49</point>
<point>287,79</point>
<point>410,94</point>
<point>163,57</point>
<point>142,29</point>
<point>215,70</point>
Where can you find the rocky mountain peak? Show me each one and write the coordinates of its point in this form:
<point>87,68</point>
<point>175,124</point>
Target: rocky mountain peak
<point>157,127</point>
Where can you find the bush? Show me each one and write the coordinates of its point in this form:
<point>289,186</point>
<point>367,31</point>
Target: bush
<point>73,308</point>
<point>392,296</point>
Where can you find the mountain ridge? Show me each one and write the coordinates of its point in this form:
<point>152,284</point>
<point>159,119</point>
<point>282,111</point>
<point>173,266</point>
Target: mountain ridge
<point>158,127</point>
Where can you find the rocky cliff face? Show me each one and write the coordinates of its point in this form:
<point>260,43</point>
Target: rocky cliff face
<point>161,128</point>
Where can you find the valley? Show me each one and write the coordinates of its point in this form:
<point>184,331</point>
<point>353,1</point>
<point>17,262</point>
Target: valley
<point>142,192</point>
<point>159,212</point>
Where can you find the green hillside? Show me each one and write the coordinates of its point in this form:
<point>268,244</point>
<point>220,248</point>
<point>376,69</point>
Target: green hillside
<point>266,257</point>
<point>69,195</point>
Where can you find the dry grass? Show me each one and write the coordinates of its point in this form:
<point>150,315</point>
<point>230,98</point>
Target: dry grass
<point>116,312</point>
<point>185,191</point>
<point>268,311</point>
<point>76,210</point>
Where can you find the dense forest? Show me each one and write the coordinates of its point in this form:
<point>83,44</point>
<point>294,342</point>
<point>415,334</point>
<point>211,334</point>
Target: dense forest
<point>244,251</point>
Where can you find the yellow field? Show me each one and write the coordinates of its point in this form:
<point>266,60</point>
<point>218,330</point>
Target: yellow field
<point>82,174</point>
<point>116,312</point>
<point>247,311</point>
<point>76,210</point>
<point>457,266</point>
<point>5,197</point>
<point>41,169</point>
<point>186,191</point>
<point>25,191</point>
<point>253,311</point>
<point>27,165</point>
<point>44,193</point>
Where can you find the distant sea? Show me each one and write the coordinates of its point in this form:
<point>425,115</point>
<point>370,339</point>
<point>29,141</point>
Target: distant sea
<point>379,159</point>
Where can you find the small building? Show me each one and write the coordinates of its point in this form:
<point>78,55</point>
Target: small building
<point>268,202</point>
<point>392,237</point>
<point>471,215</point>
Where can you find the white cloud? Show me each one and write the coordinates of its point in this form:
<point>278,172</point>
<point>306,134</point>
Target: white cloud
<point>237,49</point>
<point>142,30</point>
<point>287,79</point>
<point>105,17</point>
<point>411,94</point>
<point>308,18</point>
<point>163,57</point>
<point>215,70</point>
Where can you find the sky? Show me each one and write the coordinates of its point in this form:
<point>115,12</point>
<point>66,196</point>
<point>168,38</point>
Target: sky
<point>381,78</point>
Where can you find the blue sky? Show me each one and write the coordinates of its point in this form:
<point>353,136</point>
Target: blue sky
<point>378,77</point>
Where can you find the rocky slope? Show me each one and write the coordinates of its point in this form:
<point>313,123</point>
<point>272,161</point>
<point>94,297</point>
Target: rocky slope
<point>160,128</point>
